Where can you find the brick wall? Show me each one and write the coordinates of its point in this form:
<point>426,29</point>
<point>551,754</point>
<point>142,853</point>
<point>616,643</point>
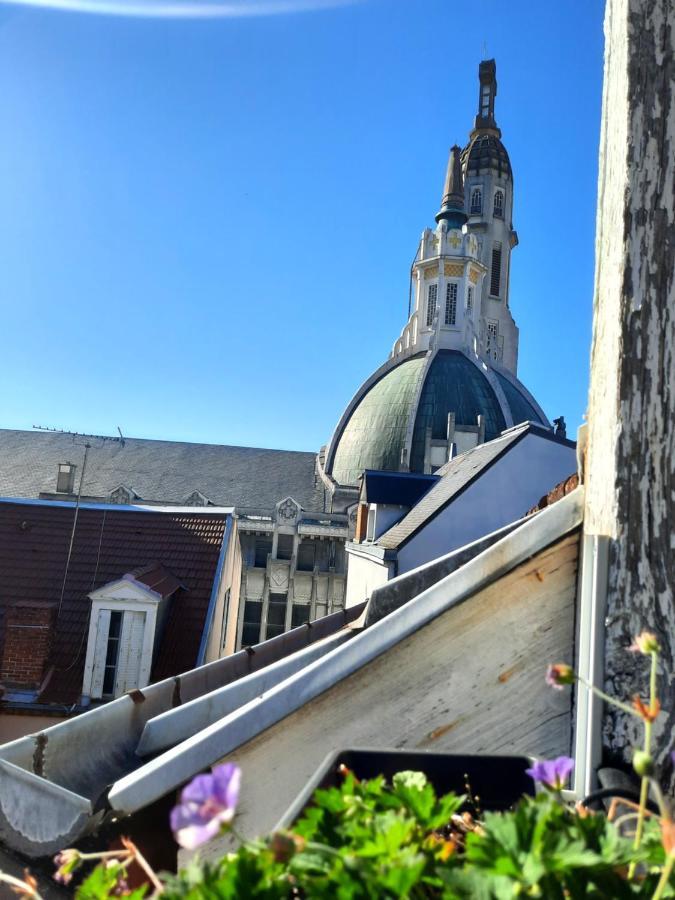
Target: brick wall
<point>25,649</point>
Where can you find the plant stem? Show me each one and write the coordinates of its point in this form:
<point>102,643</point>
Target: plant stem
<point>644,784</point>
<point>596,690</point>
<point>665,877</point>
<point>20,886</point>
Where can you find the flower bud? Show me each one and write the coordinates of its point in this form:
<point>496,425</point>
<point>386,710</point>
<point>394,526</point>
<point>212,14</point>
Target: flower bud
<point>559,675</point>
<point>643,763</point>
<point>645,642</point>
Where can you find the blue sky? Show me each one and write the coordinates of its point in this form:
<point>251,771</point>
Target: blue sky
<point>206,226</point>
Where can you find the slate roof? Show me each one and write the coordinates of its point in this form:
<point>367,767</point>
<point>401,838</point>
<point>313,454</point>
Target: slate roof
<point>159,471</point>
<point>108,544</point>
<point>455,475</point>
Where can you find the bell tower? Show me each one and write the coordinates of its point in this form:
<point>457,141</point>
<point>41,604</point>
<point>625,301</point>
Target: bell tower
<point>488,186</point>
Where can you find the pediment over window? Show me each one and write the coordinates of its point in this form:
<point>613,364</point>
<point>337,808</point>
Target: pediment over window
<point>123,494</point>
<point>196,498</point>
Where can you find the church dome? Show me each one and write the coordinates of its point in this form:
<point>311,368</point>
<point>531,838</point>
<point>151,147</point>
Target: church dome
<point>485,152</point>
<point>391,413</point>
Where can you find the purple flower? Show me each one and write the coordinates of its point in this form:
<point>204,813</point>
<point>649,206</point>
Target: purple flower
<point>207,805</point>
<point>553,773</point>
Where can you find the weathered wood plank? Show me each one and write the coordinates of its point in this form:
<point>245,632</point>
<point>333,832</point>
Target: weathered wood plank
<point>470,681</point>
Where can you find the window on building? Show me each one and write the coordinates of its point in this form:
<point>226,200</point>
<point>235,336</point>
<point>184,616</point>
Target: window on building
<point>485,101</point>
<point>276,615</point>
<point>250,633</point>
<point>284,546</point>
<point>332,554</point>
<point>496,270</point>
<point>112,653</point>
<point>469,299</point>
<point>306,556</point>
<point>492,337</point>
<point>451,303</point>
<point>263,547</point>
<point>299,614</point>
<point>65,478</point>
<point>498,209</point>
<point>476,201</point>
<point>432,302</point>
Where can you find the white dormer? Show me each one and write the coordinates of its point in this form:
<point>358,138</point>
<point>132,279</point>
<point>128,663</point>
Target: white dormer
<point>196,498</point>
<point>122,633</point>
<point>123,495</point>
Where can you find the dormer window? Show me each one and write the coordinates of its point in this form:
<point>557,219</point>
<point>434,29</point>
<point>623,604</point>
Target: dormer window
<point>123,495</point>
<point>476,202</point>
<point>65,478</point>
<point>498,209</point>
<point>126,618</point>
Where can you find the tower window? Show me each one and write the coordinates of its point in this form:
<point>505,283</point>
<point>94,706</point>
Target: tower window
<point>276,615</point>
<point>498,209</point>
<point>476,202</point>
<point>432,302</point>
<point>65,478</point>
<point>493,342</point>
<point>252,617</point>
<point>496,269</point>
<point>469,299</point>
<point>485,101</point>
<point>451,303</point>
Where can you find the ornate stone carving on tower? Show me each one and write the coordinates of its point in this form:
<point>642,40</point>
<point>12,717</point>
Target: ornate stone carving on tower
<point>450,380</point>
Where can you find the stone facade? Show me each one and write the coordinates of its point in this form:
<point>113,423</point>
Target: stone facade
<point>292,569</point>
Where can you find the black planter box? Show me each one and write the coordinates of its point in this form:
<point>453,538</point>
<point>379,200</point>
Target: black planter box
<point>499,781</point>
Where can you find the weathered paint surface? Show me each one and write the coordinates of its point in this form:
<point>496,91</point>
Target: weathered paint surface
<point>631,455</point>
<point>472,680</point>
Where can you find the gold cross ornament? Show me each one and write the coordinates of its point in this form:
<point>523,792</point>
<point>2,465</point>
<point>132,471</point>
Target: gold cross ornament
<point>454,240</point>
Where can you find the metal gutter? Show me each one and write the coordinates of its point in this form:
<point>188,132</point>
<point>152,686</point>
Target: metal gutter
<point>592,598</point>
<point>51,781</point>
<point>123,507</point>
<point>215,590</point>
<point>176,725</point>
<point>173,768</point>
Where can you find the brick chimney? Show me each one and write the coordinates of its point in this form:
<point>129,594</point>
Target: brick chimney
<point>25,650</point>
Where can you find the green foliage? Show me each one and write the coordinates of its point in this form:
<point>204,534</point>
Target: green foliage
<point>371,840</point>
<point>108,880</point>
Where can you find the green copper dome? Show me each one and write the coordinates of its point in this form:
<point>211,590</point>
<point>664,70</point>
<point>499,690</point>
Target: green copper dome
<point>376,431</point>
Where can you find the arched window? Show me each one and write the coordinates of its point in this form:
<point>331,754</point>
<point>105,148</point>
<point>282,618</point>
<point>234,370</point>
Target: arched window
<point>498,210</point>
<point>476,201</point>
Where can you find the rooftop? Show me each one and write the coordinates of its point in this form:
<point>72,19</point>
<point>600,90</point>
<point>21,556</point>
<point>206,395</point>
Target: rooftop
<point>167,472</point>
<point>171,552</point>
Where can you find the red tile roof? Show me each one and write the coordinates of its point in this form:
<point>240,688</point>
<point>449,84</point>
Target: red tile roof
<point>108,544</point>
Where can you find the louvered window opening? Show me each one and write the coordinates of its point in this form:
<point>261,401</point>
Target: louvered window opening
<point>498,210</point>
<point>451,303</point>
<point>495,272</point>
<point>476,201</point>
<point>432,300</point>
<point>306,556</point>
<point>469,300</point>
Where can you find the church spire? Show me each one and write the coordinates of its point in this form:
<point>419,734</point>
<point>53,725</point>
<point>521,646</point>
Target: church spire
<point>487,91</point>
<point>452,202</point>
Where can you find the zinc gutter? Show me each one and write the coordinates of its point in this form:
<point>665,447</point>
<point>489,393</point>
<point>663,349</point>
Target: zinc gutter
<point>173,768</point>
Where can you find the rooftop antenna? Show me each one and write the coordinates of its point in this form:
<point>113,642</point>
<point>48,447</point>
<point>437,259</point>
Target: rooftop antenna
<point>485,56</point>
<point>83,440</point>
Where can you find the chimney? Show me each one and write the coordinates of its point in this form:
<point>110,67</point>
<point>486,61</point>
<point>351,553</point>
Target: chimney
<point>25,649</point>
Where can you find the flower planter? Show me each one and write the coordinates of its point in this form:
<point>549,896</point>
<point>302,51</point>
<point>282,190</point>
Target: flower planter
<point>499,781</point>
